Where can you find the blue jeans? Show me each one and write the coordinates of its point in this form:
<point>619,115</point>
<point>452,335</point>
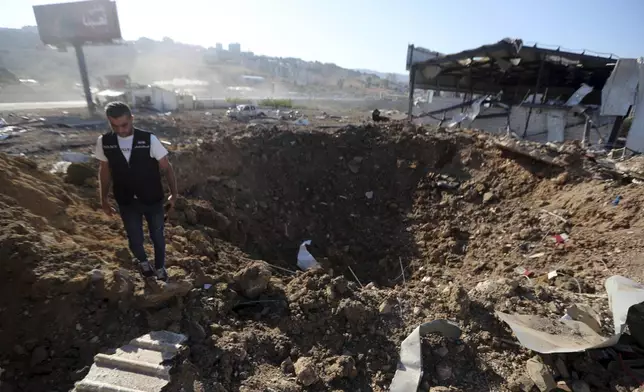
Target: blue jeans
<point>132,216</point>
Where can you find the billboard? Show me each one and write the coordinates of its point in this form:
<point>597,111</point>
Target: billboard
<point>94,21</point>
<point>416,54</point>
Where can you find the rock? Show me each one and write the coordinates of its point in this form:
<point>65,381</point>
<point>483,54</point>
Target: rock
<point>216,329</point>
<point>458,301</point>
<point>96,275</point>
<point>340,284</point>
<point>253,281</point>
<point>443,371</point>
<point>540,374</point>
<point>39,355</point>
<point>561,179</point>
<point>196,331</point>
<point>354,311</point>
<point>440,389</point>
<point>525,233</point>
<point>344,366</point>
<point>586,315</point>
<point>201,243</point>
<point>305,371</point>
<point>562,368</point>
<point>191,216</point>
<point>386,306</point>
<point>79,173</point>
<point>522,384</point>
<point>166,292</point>
<point>580,386</point>
<point>287,366</point>
<point>488,197</point>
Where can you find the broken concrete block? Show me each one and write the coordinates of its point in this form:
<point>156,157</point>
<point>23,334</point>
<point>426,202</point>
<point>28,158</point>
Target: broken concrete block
<point>142,365</point>
<point>586,315</point>
<point>540,374</point>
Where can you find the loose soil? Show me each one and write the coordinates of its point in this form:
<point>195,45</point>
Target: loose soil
<point>434,224</point>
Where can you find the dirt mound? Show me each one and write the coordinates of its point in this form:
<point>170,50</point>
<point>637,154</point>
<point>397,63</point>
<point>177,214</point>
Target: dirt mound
<point>434,224</point>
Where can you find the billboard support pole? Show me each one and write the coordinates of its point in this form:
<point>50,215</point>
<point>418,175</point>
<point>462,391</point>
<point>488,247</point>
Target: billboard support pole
<point>412,86</point>
<point>82,66</point>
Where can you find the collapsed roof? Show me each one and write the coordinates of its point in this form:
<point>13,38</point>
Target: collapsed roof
<point>510,67</point>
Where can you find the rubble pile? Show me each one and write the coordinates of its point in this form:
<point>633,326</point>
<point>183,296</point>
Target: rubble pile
<point>408,224</point>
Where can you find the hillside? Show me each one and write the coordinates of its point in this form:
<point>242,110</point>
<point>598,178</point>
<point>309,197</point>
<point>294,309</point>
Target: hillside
<point>147,61</point>
<point>396,77</point>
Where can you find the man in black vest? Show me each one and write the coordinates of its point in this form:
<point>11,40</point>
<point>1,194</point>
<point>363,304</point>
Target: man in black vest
<point>132,161</point>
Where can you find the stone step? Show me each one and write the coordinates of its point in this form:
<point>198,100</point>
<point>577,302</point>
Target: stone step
<point>141,366</point>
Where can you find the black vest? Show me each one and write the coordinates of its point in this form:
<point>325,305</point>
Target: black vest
<point>141,177</point>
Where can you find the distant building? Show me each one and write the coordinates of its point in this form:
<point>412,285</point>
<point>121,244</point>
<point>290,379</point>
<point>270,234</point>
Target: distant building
<point>219,47</point>
<point>153,97</point>
<point>234,48</point>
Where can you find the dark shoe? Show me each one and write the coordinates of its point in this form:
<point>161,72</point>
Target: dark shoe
<point>162,274</point>
<point>146,269</point>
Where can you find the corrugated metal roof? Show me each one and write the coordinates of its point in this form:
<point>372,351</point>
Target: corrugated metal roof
<point>513,68</point>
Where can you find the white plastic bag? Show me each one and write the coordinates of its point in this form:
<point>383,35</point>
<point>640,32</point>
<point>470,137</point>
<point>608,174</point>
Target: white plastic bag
<point>305,259</point>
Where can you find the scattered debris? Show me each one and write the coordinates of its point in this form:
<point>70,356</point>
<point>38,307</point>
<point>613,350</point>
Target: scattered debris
<point>565,336</point>
<point>409,370</point>
<point>461,259</point>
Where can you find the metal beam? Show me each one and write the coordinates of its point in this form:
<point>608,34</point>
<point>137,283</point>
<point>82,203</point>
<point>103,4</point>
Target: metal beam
<point>534,96</point>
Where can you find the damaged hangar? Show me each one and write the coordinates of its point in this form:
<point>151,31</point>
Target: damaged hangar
<point>533,92</point>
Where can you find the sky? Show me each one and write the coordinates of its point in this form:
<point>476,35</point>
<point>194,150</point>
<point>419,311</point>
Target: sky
<point>373,34</point>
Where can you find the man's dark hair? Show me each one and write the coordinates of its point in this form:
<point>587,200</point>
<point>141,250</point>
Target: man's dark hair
<point>117,109</point>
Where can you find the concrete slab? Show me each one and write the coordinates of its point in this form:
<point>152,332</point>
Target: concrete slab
<point>143,365</point>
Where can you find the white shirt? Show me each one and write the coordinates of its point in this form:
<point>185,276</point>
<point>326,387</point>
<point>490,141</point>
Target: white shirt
<point>157,150</point>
